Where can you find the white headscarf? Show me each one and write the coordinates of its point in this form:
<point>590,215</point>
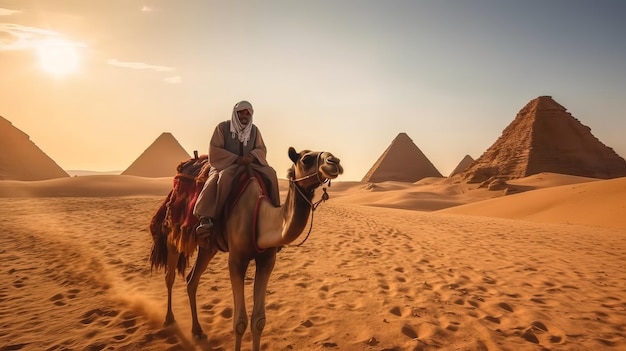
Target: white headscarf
<point>238,130</point>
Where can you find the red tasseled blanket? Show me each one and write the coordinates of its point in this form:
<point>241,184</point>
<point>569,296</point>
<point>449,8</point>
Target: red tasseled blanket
<point>176,212</point>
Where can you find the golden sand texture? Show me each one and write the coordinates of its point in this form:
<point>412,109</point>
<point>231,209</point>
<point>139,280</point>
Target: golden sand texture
<point>541,269</point>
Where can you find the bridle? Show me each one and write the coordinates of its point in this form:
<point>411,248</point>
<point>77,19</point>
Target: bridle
<point>317,173</point>
<point>300,191</point>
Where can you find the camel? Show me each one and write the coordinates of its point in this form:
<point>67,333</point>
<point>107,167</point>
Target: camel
<point>253,230</point>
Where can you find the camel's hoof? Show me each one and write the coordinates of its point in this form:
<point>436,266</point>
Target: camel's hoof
<point>169,322</point>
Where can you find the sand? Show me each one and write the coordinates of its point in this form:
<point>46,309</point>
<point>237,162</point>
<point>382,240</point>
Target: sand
<point>434,265</point>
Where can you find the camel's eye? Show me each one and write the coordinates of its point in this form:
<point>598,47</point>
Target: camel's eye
<point>308,159</point>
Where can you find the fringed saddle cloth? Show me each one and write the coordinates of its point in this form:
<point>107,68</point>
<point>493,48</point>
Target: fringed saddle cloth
<point>176,212</point>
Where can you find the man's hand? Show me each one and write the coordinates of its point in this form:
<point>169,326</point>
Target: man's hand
<point>245,160</point>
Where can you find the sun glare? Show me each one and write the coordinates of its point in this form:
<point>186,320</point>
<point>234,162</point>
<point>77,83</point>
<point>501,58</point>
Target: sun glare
<point>58,58</point>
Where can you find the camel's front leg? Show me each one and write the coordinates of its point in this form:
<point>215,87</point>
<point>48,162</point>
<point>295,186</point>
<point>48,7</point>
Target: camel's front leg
<point>170,277</point>
<point>264,266</point>
<point>237,267</point>
<point>204,257</point>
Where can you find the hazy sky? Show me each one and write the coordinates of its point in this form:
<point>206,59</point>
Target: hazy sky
<point>94,83</point>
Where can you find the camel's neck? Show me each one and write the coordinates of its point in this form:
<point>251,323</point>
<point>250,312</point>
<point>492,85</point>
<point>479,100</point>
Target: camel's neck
<point>281,226</point>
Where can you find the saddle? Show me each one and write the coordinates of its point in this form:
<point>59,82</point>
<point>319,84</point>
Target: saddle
<point>241,180</point>
<point>176,212</point>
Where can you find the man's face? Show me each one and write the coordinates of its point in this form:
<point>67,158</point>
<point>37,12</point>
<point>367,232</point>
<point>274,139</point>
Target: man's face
<point>244,117</point>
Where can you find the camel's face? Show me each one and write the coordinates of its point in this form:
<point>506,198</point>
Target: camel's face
<point>314,167</point>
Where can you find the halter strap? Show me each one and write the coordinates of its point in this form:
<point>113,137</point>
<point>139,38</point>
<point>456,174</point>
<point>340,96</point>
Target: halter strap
<point>316,174</point>
<point>313,205</point>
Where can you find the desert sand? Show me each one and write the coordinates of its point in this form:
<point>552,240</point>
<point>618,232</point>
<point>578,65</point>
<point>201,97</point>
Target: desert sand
<point>431,265</point>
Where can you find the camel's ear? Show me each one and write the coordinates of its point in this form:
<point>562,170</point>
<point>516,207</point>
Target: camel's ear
<point>293,154</point>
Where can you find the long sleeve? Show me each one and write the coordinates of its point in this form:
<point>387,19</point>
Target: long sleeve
<point>260,151</point>
<point>219,157</point>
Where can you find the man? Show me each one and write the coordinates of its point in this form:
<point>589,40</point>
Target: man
<point>234,142</point>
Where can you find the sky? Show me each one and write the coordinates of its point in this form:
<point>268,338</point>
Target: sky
<point>94,83</point>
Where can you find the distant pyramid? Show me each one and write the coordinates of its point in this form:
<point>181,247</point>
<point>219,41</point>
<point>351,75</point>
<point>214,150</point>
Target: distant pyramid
<point>160,159</point>
<point>463,165</point>
<point>402,161</point>
<point>21,159</point>
<point>544,137</point>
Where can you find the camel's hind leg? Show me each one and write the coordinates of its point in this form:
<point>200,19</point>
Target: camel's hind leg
<point>204,257</point>
<point>170,275</point>
<point>264,266</point>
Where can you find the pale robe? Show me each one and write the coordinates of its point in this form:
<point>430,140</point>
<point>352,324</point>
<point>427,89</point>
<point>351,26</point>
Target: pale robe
<point>223,153</point>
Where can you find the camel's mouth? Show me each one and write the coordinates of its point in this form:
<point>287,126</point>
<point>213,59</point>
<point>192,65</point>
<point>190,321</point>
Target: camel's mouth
<point>331,168</point>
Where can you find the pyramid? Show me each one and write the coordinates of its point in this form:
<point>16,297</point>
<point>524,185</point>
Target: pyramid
<point>544,137</point>
<point>21,159</point>
<point>463,165</point>
<point>402,161</point>
<point>160,159</point>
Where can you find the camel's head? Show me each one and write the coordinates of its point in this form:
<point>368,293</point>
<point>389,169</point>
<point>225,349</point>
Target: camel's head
<point>313,168</point>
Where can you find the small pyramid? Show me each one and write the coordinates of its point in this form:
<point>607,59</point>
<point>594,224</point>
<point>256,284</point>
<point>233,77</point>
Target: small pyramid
<point>21,159</point>
<point>544,137</point>
<point>463,165</point>
<point>160,159</point>
<point>402,161</point>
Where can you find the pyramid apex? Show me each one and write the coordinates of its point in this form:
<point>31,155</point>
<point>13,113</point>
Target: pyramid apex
<point>462,166</point>
<point>159,159</point>
<point>402,135</point>
<point>541,103</point>
<point>402,161</point>
<point>166,135</point>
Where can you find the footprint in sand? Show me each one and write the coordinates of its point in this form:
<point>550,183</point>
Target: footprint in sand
<point>72,293</point>
<point>409,331</point>
<point>396,311</point>
<point>453,326</point>
<point>401,279</point>
<point>57,299</point>
<point>94,314</point>
<point>505,306</point>
<point>227,313</point>
<point>382,283</point>
<point>492,319</point>
<point>489,280</point>
<point>19,283</point>
<point>129,322</point>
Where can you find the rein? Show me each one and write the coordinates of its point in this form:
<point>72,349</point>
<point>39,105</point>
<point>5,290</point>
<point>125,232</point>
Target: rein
<point>313,205</point>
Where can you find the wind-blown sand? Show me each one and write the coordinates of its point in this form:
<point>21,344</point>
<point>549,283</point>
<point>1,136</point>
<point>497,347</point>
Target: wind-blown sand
<point>434,265</point>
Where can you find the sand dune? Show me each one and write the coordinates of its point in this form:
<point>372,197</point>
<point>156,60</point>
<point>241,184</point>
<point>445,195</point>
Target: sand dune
<point>87,186</point>
<point>597,203</point>
<point>390,266</point>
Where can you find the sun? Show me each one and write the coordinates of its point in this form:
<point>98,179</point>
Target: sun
<point>58,58</point>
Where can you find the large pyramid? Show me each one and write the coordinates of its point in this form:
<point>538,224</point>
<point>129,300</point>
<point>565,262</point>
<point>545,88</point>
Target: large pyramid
<point>402,161</point>
<point>21,159</point>
<point>160,159</point>
<point>544,137</point>
<point>463,165</point>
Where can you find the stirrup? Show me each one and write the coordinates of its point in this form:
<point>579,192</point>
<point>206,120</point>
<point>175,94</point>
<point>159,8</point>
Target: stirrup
<point>204,229</point>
